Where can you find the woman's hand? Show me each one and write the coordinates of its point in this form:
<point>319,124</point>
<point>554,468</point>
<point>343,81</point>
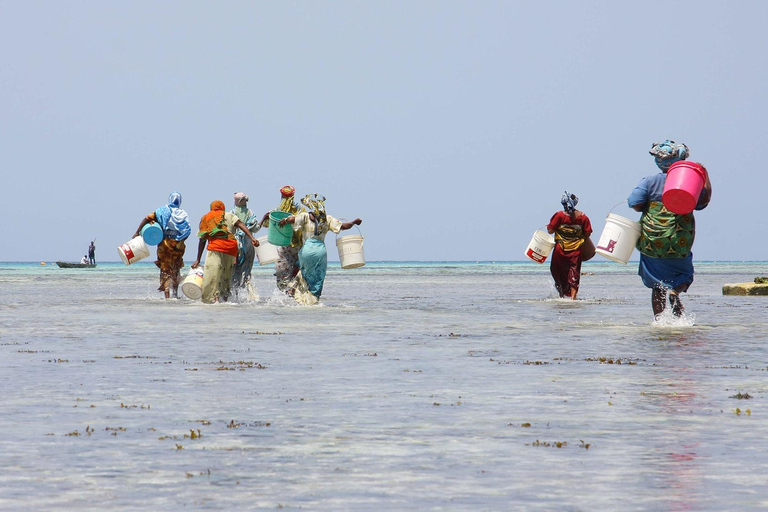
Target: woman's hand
<point>287,220</point>
<point>195,264</point>
<point>255,242</point>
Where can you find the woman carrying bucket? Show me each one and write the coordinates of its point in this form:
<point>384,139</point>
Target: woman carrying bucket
<point>572,229</point>
<point>245,252</point>
<point>170,251</point>
<point>307,286</point>
<point>666,237</point>
<point>217,229</point>
<point>287,264</point>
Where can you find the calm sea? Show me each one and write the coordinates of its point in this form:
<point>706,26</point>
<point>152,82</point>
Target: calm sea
<point>413,386</point>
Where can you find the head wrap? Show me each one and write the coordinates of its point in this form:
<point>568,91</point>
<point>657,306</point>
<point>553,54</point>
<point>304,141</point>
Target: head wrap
<point>287,203</point>
<point>569,202</point>
<point>668,152</point>
<point>240,198</point>
<point>315,204</point>
<point>212,224</point>
<point>244,213</point>
<point>173,220</point>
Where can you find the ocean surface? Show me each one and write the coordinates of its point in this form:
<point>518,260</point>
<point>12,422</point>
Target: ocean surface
<point>413,386</point>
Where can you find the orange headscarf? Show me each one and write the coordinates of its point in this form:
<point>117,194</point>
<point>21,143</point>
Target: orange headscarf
<point>212,224</point>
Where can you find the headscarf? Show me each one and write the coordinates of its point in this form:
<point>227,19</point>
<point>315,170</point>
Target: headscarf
<point>241,207</point>
<point>241,199</point>
<point>316,206</point>
<point>212,224</point>
<point>569,202</point>
<point>668,152</point>
<point>173,220</point>
<point>287,204</point>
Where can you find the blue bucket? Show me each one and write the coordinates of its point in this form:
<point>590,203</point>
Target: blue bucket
<point>152,234</point>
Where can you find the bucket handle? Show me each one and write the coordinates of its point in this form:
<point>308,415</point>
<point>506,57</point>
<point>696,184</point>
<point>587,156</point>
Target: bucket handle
<point>614,206</point>
<point>358,230</point>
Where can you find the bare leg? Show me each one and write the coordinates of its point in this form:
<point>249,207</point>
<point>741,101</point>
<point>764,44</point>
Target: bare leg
<point>658,300</point>
<point>674,301</point>
<point>574,292</point>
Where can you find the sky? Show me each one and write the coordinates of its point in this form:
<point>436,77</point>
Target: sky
<point>452,128</point>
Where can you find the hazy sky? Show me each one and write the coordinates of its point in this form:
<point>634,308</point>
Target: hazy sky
<point>451,128</point>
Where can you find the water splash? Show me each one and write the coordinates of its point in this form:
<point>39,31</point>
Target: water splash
<point>668,319</point>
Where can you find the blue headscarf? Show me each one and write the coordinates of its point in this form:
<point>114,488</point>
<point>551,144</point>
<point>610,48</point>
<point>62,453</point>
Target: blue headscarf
<point>569,202</point>
<point>173,219</point>
<point>668,152</point>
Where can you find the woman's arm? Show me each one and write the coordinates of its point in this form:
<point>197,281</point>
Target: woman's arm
<point>240,224</point>
<point>146,220</point>
<point>287,220</point>
<point>706,192</point>
<point>349,225</point>
<point>200,249</point>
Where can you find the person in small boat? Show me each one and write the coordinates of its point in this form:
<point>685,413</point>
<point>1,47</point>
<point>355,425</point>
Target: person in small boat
<point>217,229</point>
<point>245,252</point>
<point>666,238</point>
<point>92,253</point>
<point>307,286</point>
<point>85,260</point>
<point>287,264</point>
<point>572,230</point>
<point>174,222</point>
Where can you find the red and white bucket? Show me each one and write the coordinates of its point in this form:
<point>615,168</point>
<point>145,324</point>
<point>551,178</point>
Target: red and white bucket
<point>541,245</point>
<point>133,250</point>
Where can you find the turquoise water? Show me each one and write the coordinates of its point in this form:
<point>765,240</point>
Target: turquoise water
<point>413,386</point>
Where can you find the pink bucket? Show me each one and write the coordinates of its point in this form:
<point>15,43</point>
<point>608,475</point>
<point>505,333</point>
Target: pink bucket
<point>683,187</point>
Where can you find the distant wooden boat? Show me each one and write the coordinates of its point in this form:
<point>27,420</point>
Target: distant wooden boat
<point>64,264</point>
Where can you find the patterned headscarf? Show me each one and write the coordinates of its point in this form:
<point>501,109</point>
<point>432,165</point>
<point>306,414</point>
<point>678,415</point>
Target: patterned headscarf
<point>668,152</point>
<point>569,202</point>
<point>287,204</point>
<point>316,206</point>
<point>173,220</point>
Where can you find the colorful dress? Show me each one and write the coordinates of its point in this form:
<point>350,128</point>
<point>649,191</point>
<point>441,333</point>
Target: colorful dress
<point>313,256</point>
<point>666,238</point>
<point>245,250</point>
<point>570,234</point>
<point>218,228</point>
<point>287,264</point>
<point>170,251</point>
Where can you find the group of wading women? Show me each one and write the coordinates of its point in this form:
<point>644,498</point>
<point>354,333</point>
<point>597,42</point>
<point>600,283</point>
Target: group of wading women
<point>301,266</point>
<point>666,238</point>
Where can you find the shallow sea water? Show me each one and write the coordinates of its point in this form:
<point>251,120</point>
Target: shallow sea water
<point>413,386</point>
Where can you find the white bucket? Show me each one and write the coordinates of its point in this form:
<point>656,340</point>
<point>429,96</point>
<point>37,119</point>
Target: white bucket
<point>266,252</point>
<point>133,250</point>
<point>350,251</point>
<point>541,245</point>
<point>618,238</point>
<point>192,286</point>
